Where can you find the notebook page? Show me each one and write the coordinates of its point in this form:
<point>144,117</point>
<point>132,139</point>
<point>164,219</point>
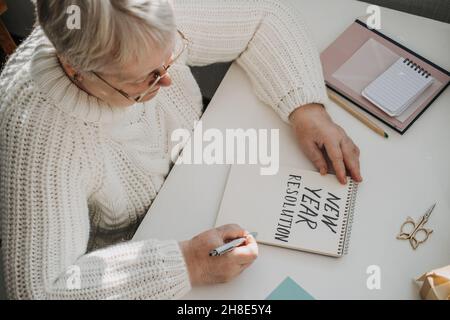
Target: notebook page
<point>395,89</point>
<point>297,209</point>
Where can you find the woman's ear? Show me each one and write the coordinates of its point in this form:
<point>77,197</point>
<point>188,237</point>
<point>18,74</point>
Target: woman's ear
<point>70,71</point>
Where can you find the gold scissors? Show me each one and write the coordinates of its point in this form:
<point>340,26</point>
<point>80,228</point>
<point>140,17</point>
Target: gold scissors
<point>418,234</point>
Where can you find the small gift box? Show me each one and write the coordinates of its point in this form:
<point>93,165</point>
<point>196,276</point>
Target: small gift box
<point>435,285</point>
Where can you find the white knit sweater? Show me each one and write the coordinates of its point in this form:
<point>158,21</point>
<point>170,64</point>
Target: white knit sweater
<point>77,175</point>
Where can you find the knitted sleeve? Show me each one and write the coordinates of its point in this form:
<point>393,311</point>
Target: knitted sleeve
<point>268,39</point>
<point>46,164</point>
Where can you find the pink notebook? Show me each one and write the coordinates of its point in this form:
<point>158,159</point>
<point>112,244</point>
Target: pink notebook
<point>360,55</point>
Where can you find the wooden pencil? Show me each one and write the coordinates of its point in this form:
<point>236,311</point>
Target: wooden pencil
<point>339,101</point>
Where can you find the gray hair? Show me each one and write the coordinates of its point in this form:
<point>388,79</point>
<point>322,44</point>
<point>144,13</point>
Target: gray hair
<point>111,33</point>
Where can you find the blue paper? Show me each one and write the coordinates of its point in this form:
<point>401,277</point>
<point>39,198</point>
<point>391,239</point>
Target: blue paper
<point>289,290</point>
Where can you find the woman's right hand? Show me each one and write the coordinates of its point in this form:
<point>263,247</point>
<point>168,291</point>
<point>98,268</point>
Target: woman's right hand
<point>204,269</point>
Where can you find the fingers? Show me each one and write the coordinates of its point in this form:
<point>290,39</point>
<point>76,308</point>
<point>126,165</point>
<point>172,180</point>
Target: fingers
<point>337,159</point>
<point>351,158</point>
<point>226,267</point>
<point>231,232</point>
<point>246,253</point>
<point>245,266</point>
<point>314,154</point>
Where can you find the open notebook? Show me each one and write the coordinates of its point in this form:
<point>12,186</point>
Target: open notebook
<point>296,209</point>
<point>396,88</point>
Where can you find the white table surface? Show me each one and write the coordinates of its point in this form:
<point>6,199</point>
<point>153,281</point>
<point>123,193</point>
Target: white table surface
<point>403,176</point>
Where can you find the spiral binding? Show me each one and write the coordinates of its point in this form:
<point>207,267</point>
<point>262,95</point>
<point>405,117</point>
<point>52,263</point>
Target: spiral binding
<point>347,220</point>
<point>416,67</point>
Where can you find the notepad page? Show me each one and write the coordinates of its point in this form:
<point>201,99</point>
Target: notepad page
<point>296,209</point>
<point>396,88</point>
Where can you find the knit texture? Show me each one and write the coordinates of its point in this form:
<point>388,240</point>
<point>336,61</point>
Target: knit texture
<point>77,175</point>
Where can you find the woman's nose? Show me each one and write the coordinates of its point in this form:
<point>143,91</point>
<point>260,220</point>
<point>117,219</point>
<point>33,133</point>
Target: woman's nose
<point>166,80</point>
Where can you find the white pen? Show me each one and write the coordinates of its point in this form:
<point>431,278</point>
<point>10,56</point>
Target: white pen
<point>227,247</point>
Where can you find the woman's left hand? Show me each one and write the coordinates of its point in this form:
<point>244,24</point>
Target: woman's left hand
<point>318,134</point>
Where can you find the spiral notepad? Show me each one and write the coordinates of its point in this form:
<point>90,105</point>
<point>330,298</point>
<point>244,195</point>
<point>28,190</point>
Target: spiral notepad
<point>296,209</point>
<point>396,88</point>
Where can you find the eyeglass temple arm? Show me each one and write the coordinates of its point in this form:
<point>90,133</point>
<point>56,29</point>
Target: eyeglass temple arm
<point>155,82</point>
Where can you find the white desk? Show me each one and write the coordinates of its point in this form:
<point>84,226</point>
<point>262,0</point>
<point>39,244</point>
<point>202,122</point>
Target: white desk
<point>403,176</point>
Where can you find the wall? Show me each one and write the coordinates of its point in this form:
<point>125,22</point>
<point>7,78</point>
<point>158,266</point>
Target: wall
<point>434,9</point>
<point>19,18</point>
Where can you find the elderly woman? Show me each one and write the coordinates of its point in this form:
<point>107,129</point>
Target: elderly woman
<point>85,119</point>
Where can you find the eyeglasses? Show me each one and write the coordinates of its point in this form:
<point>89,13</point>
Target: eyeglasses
<point>155,76</point>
